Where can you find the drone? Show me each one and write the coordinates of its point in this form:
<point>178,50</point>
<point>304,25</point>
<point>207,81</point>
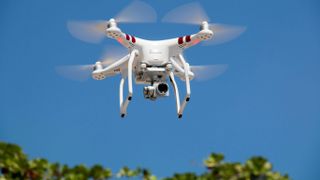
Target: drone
<point>153,63</point>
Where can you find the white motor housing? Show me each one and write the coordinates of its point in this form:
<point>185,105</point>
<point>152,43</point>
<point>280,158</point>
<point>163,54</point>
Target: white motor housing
<point>98,73</point>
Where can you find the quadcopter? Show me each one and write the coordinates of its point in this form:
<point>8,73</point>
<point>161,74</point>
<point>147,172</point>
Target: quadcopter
<point>153,62</point>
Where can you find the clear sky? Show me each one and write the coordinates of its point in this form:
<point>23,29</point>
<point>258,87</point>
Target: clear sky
<point>267,102</point>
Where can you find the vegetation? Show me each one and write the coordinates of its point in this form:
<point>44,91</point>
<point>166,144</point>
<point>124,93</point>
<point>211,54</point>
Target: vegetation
<point>14,164</point>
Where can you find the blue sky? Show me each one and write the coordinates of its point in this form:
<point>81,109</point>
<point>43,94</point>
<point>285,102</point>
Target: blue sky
<point>267,102</point>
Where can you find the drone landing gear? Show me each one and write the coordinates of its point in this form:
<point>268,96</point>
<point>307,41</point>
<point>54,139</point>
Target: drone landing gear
<point>180,107</point>
<point>124,105</point>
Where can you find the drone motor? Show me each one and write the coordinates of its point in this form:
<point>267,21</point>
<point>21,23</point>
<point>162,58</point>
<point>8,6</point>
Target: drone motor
<point>97,73</point>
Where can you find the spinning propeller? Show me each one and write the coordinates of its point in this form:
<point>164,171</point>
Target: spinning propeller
<point>194,14</point>
<point>83,72</point>
<point>94,31</point>
<point>203,73</point>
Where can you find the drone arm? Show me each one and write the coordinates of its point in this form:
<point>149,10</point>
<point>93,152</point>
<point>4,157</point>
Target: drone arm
<point>115,67</point>
<point>124,39</point>
<point>191,40</point>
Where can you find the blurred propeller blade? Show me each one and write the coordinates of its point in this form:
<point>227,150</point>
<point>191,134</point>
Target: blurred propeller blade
<point>203,73</point>
<point>112,54</point>
<point>88,31</point>
<point>137,12</point>
<point>224,33</point>
<point>191,13</point>
<point>75,72</point>
<point>94,31</point>
<point>83,72</point>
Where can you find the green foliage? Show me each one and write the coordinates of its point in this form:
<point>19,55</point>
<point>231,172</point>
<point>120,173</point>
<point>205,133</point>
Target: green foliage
<point>256,168</point>
<point>14,164</point>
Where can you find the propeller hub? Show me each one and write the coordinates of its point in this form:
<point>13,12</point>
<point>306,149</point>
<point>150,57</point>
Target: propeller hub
<point>97,66</point>
<point>204,25</point>
<point>112,23</point>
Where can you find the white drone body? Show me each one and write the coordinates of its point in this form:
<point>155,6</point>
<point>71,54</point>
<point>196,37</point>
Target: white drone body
<point>152,62</point>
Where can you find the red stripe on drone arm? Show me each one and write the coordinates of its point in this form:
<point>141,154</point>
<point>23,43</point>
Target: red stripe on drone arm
<point>133,39</point>
<point>127,37</point>
<point>180,40</point>
<point>188,38</point>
